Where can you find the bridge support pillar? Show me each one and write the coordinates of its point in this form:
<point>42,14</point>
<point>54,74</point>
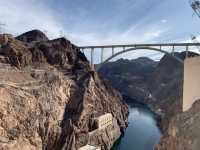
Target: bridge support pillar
<point>102,50</point>
<point>187,49</point>
<point>191,83</point>
<point>173,50</point>
<point>124,48</point>
<point>92,56</point>
<point>113,51</point>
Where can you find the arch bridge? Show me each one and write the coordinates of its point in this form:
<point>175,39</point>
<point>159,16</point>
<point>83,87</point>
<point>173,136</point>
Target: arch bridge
<point>165,48</point>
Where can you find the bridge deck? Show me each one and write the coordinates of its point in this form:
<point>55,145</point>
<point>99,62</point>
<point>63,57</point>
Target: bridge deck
<point>140,45</point>
<point>129,47</point>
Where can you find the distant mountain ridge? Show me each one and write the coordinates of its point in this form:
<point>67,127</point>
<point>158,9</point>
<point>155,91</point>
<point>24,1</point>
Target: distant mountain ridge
<point>130,76</point>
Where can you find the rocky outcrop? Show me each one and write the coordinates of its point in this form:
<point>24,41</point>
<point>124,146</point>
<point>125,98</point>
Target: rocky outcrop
<point>183,132</point>
<point>50,97</point>
<point>15,51</point>
<point>32,36</point>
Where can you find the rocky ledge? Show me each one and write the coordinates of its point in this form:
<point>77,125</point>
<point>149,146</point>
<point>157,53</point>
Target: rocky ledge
<point>50,96</point>
<point>183,132</point>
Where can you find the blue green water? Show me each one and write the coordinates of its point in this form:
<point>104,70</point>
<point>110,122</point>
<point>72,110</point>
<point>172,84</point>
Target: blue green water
<point>142,132</point>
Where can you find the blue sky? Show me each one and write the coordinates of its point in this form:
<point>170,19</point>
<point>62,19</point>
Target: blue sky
<point>91,22</point>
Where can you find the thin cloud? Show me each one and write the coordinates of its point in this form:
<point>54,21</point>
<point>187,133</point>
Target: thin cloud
<point>23,15</point>
<point>164,21</point>
<point>121,22</point>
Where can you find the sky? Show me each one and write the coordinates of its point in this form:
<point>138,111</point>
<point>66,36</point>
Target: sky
<point>100,22</point>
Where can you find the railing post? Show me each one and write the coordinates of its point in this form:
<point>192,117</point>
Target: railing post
<point>124,48</point>
<point>102,50</point>
<point>92,54</point>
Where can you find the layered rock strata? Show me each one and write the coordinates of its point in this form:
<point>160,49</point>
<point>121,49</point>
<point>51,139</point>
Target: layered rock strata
<point>50,96</point>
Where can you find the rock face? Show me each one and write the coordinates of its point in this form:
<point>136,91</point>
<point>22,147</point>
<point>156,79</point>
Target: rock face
<point>50,96</point>
<point>130,77</point>
<point>183,132</point>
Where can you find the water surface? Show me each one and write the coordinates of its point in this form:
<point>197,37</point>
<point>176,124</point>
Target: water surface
<point>142,132</point>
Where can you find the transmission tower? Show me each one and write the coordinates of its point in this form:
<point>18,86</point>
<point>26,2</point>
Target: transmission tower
<point>195,4</point>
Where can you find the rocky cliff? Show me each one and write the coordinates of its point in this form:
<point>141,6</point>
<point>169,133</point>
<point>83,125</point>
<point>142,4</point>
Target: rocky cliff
<point>157,84</point>
<point>164,83</point>
<point>166,87</point>
<point>50,96</point>
<point>183,132</point>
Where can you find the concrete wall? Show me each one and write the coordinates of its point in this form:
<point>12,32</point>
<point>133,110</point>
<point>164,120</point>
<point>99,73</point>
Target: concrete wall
<point>104,121</point>
<point>191,84</point>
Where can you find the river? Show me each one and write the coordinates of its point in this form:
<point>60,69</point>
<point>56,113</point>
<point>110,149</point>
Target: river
<point>142,132</point>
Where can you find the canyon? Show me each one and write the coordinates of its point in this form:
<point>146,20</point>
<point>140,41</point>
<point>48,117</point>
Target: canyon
<point>160,86</point>
<point>51,97</point>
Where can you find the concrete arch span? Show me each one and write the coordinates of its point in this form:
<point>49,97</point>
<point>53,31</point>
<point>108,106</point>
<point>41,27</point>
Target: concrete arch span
<point>140,48</point>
